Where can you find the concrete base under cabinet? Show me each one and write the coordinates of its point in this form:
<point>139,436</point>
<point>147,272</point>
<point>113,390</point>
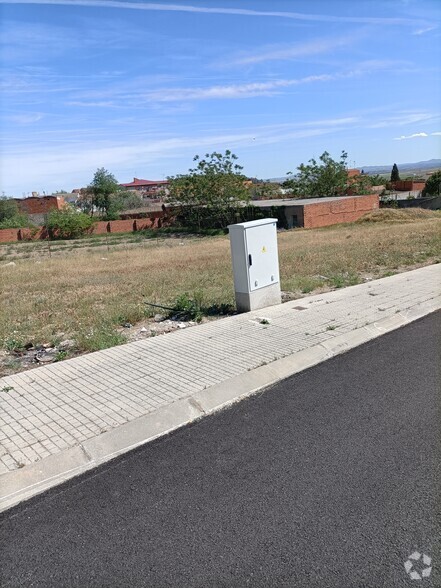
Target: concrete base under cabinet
<point>268,296</point>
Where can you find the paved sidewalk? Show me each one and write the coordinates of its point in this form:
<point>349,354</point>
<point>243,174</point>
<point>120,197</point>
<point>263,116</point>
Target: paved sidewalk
<point>51,409</point>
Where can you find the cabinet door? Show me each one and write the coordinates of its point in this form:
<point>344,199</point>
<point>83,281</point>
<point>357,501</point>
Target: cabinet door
<point>262,256</point>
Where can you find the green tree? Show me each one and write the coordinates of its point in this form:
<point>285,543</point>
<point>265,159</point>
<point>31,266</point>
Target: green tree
<point>211,193</point>
<point>324,178</point>
<point>358,185</point>
<point>395,174</point>
<point>101,189</point>
<point>123,200</point>
<point>85,201</point>
<point>265,191</point>
<point>377,180</point>
<point>68,223</point>
<point>433,185</point>
<point>10,215</point>
<point>8,208</point>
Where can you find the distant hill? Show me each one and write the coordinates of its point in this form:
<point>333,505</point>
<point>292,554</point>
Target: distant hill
<point>419,168</point>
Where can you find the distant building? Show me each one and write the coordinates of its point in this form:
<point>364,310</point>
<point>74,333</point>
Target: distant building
<point>69,197</point>
<point>37,207</point>
<point>147,188</point>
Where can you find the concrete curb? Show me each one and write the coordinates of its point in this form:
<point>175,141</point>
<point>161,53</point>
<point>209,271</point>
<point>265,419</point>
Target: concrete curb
<point>22,484</point>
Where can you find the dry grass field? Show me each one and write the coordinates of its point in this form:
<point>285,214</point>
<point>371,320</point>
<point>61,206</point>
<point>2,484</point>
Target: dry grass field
<point>87,293</point>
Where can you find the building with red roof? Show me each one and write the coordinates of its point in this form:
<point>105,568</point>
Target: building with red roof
<point>146,187</point>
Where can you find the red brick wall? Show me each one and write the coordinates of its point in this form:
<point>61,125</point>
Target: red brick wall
<point>345,210</point>
<point>32,234</point>
<point>7,235</point>
<point>408,185</point>
<point>98,228</point>
<point>124,226</point>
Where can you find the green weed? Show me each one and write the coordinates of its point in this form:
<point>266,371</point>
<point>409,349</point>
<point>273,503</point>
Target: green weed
<point>12,344</point>
<point>187,308</point>
<point>100,338</point>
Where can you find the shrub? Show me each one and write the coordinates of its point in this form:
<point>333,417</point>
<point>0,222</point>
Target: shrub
<point>187,308</point>
<point>67,223</point>
<point>10,215</point>
<point>433,185</point>
<point>8,208</point>
<point>18,221</point>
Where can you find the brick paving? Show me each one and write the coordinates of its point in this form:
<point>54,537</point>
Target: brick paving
<point>51,408</point>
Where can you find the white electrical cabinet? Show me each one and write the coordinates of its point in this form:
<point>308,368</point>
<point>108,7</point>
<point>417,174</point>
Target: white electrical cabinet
<point>255,263</point>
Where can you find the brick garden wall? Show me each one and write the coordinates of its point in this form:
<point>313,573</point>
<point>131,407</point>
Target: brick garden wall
<point>408,185</point>
<point>98,228</point>
<point>125,226</point>
<point>345,210</point>
<point>7,235</point>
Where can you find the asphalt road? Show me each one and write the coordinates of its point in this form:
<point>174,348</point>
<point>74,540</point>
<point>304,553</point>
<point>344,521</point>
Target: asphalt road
<point>329,479</point>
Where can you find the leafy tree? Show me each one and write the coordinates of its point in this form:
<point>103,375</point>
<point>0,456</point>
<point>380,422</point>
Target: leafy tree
<point>324,178</point>
<point>395,174</point>
<point>433,185</point>
<point>209,195</point>
<point>357,185</point>
<point>85,201</point>
<point>107,196</point>
<point>18,221</point>
<point>265,191</point>
<point>8,208</point>
<point>10,215</point>
<point>67,223</point>
<point>377,180</point>
<point>123,200</point>
<point>101,189</point>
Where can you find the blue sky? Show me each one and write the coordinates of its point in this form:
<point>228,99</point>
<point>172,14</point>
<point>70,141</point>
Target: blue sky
<point>140,88</point>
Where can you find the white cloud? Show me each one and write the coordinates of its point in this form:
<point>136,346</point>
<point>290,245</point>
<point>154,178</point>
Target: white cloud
<point>413,136</point>
<point>291,52</point>
<point>111,92</point>
<point>24,119</point>
<point>424,30</point>
<point>98,104</point>
<point>156,6</point>
<point>261,88</point>
<point>436,134</point>
<point>230,91</point>
<point>402,119</point>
